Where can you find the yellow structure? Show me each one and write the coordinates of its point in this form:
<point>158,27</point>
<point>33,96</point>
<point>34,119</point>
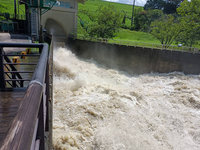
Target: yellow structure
<point>23,53</point>
<point>15,59</point>
<point>28,51</point>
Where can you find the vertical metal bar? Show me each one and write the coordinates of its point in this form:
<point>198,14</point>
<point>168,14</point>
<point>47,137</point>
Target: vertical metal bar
<point>2,77</point>
<point>44,105</point>
<point>18,10</point>
<point>15,9</point>
<point>40,50</point>
<point>47,123</point>
<point>132,13</point>
<point>21,83</point>
<point>47,96</point>
<point>14,77</point>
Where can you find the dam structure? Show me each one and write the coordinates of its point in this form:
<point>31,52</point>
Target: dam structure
<point>61,20</point>
<point>93,95</point>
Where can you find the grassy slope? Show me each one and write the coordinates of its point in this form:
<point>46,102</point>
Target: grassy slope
<point>123,34</point>
<point>9,7</point>
<point>136,36</point>
<point>92,5</point>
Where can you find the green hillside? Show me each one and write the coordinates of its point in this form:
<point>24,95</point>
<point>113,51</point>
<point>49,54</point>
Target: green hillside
<point>92,5</point>
<point>136,36</point>
<point>124,36</point>
<point>9,7</point>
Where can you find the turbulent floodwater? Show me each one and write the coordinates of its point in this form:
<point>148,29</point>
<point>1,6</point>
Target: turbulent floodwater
<point>97,108</point>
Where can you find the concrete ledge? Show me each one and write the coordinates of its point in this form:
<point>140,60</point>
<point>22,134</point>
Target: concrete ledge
<point>137,60</point>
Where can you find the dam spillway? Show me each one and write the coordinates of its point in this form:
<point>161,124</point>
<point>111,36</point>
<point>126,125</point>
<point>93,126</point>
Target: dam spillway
<point>100,108</point>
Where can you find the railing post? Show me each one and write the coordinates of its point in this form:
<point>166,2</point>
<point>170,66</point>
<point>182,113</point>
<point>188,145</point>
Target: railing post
<point>40,50</point>
<point>14,77</point>
<point>22,84</point>
<point>2,77</point>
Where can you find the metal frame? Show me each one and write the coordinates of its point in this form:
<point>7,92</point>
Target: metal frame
<point>13,74</point>
<point>35,112</point>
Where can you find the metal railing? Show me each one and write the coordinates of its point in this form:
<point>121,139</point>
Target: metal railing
<point>32,126</point>
<point>10,76</point>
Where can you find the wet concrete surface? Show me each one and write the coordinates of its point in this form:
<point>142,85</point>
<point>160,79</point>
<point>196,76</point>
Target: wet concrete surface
<point>14,38</point>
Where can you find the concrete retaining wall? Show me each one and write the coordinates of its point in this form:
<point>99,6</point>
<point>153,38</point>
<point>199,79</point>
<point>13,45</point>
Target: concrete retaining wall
<point>137,60</point>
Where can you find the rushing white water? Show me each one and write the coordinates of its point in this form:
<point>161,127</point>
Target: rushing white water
<point>96,108</point>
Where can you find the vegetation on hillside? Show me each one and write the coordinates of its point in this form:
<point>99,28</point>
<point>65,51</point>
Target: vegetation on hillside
<point>180,27</point>
<point>8,7</point>
<point>165,30</point>
<point>152,24</point>
<point>143,20</point>
<point>184,29</point>
<point>91,6</point>
<point>104,23</point>
<point>2,7</point>
<point>189,22</point>
<point>168,7</point>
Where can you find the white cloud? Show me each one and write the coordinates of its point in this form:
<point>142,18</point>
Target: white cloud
<point>138,2</point>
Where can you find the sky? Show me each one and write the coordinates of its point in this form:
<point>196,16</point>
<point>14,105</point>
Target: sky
<point>138,2</point>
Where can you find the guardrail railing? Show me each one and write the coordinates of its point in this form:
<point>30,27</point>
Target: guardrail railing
<point>31,127</point>
<point>10,73</point>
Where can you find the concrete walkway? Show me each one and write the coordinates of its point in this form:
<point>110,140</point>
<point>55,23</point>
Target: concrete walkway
<point>14,38</point>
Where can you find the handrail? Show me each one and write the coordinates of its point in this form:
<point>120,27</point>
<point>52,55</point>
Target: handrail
<point>27,55</point>
<point>50,89</point>
<point>39,73</point>
<point>21,132</point>
<point>10,63</point>
<point>22,45</point>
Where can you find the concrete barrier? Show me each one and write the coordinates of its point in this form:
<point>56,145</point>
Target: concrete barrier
<point>137,60</point>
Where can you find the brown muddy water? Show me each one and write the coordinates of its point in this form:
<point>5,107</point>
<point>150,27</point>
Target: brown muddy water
<point>97,108</point>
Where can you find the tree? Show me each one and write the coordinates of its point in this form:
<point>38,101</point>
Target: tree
<point>143,20</point>
<point>165,30</point>
<point>154,4</point>
<point>190,33</point>
<point>104,23</point>
<point>170,6</point>
<point>167,6</point>
<point>189,22</point>
<point>2,8</point>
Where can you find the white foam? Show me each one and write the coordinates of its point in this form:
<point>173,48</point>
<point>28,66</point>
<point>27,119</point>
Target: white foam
<point>103,109</point>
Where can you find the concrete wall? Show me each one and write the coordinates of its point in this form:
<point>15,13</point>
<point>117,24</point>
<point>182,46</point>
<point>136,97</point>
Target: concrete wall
<point>61,22</point>
<point>137,60</point>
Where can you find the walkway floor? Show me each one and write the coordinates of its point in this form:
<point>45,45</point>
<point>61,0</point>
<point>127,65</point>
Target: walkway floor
<point>9,104</point>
